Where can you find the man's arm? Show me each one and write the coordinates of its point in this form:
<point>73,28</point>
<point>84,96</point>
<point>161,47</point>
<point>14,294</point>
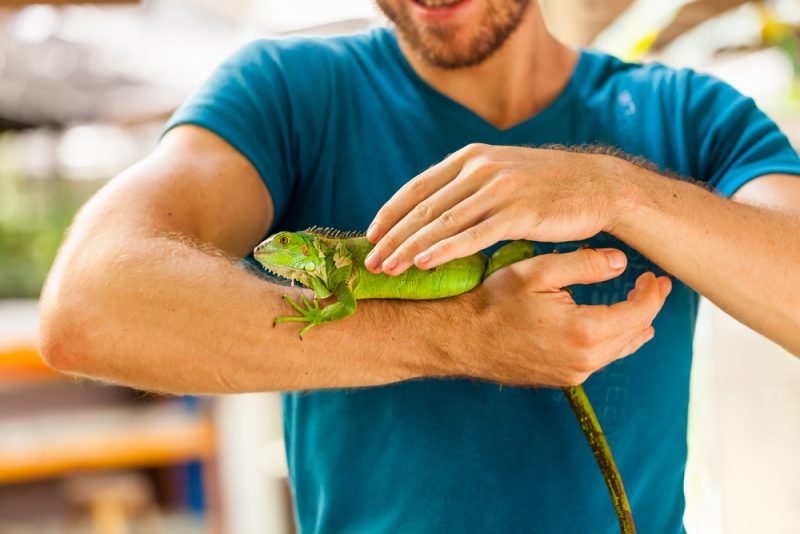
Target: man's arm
<point>146,292</point>
<point>743,255</point>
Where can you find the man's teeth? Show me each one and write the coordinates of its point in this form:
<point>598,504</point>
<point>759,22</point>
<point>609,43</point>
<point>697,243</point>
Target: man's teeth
<point>437,3</point>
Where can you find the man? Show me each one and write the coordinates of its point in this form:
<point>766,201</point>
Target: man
<point>146,290</point>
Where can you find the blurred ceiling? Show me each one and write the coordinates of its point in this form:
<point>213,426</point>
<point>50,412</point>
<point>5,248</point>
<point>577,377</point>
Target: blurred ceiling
<point>133,62</point>
<point>22,3</point>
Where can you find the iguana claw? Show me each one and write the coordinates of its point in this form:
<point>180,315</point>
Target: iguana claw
<point>311,313</point>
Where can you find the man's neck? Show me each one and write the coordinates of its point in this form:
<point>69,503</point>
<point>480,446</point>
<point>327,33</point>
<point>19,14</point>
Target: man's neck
<point>519,80</point>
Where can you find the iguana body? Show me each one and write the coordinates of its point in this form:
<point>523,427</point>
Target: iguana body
<point>332,263</point>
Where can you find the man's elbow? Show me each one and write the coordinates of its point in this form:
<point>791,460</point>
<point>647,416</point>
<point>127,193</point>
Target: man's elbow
<point>62,344</point>
<point>64,338</point>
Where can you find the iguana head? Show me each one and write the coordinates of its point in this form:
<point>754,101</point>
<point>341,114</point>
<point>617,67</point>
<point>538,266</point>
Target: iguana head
<point>291,255</point>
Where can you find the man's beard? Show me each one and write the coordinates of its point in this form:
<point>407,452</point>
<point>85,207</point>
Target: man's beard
<point>436,44</point>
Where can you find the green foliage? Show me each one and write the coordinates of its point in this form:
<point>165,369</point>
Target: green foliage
<point>33,217</point>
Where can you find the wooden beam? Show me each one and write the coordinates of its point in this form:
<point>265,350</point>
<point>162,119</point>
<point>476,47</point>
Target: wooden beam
<point>16,4</point>
<point>692,15</point>
<point>578,22</point>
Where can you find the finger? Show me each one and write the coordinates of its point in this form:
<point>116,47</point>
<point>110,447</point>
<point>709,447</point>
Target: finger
<point>438,206</point>
<point>412,193</point>
<point>636,343</point>
<point>551,272</point>
<point>643,302</point>
<point>665,285</point>
<point>613,334</point>
<point>293,304</point>
<point>623,318</point>
<point>457,220</point>
<point>476,237</point>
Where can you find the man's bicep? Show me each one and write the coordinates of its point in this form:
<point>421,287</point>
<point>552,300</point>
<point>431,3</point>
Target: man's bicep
<point>197,184</point>
<point>775,190</point>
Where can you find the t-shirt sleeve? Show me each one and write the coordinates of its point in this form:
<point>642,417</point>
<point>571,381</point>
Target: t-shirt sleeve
<point>735,140</point>
<point>245,102</point>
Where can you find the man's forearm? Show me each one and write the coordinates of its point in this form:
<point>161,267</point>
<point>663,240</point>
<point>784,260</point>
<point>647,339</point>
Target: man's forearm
<point>745,259</point>
<point>160,313</point>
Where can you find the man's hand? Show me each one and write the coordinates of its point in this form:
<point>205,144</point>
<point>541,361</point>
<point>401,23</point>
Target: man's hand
<point>484,194</point>
<point>530,332</point>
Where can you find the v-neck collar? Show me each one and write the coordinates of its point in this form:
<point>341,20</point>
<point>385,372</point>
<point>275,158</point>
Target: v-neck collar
<point>471,119</point>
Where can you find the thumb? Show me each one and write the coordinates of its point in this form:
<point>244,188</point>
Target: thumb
<point>551,272</point>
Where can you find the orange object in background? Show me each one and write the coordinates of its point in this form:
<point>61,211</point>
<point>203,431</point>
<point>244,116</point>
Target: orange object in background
<point>107,438</point>
<point>22,364</point>
<point>159,435</point>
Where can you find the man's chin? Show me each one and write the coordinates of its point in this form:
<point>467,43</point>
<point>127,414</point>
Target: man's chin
<point>451,61</point>
<point>453,51</point>
<point>459,36</point>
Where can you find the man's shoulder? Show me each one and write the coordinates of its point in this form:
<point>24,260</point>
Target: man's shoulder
<point>303,68</point>
<point>651,80</point>
<point>301,51</point>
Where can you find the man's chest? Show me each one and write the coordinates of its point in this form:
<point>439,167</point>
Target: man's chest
<point>354,166</point>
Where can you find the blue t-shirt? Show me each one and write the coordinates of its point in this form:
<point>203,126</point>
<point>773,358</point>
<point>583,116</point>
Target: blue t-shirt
<point>335,127</point>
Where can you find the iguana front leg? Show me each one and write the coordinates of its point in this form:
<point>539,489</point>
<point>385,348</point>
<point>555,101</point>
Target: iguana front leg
<point>311,313</point>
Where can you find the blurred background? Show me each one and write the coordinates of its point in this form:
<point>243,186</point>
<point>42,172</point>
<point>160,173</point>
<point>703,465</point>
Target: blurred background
<point>84,91</point>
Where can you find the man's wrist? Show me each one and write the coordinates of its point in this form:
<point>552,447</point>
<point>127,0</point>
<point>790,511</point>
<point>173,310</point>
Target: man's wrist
<point>625,187</point>
<point>453,336</point>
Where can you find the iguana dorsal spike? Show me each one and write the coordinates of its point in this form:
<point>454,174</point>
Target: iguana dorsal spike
<point>333,233</point>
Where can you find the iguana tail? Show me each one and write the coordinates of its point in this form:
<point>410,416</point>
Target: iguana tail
<point>518,251</point>
<point>602,453</point>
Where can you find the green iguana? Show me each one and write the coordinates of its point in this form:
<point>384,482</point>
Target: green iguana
<point>331,262</point>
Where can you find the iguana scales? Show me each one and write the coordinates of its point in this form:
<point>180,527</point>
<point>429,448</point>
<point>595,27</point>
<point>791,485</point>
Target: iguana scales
<point>331,263</point>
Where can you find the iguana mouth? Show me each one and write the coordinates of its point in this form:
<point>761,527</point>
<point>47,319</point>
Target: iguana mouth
<point>259,250</point>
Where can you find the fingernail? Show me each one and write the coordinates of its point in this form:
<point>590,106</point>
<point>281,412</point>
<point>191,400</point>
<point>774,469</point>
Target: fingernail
<point>372,232</point>
<point>372,260</point>
<point>616,259</point>
<point>390,264</point>
<point>666,285</point>
<point>423,258</point>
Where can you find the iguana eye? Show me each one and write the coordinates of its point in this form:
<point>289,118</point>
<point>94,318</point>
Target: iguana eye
<point>283,240</point>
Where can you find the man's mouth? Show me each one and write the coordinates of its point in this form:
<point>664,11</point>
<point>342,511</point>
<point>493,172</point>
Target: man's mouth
<point>433,4</point>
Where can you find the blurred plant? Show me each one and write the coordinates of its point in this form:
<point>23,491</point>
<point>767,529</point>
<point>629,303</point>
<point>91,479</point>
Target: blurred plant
<point>33,217</point>
<point>698,32</point>
<point>782,36</point>
<point>649,26</point>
